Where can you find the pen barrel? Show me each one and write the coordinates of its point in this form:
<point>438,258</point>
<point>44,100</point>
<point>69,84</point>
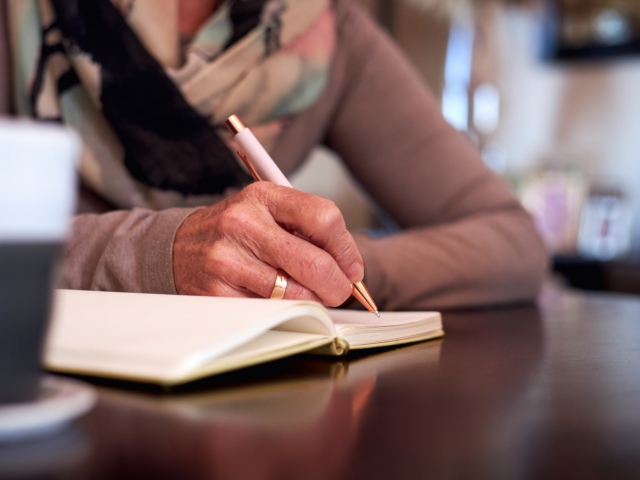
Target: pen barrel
<point>260,159</point>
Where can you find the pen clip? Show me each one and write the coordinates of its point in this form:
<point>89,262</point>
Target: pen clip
<point>249,166</point>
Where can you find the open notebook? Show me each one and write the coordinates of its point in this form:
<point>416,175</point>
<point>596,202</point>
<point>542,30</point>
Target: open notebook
<point>173,339</point>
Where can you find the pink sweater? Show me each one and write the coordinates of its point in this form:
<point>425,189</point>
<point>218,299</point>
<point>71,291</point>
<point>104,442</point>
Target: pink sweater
<point>466,241</point>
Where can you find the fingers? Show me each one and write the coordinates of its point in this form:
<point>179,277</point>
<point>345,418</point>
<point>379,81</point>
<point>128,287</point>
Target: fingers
<point>294,290</point>
<point>316,270</point>
<point>318,220</point>
<point>239,274</point>
<point>312,268</point>
<point>260,278</point>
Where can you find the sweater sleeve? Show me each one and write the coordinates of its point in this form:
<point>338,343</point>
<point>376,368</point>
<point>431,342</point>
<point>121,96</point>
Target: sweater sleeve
<point>465,240</point>
<point>122,251</point>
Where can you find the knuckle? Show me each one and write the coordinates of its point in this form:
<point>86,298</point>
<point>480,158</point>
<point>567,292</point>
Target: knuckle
<point>225,218</point>
<point>216,258</point>
<point>233,218</point>
<point>330,217</point>
<point>258,190</point>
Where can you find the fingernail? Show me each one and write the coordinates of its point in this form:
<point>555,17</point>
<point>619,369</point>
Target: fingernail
<point>355,272</point>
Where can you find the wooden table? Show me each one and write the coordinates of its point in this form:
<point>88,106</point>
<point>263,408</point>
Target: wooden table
<point>549,392</point>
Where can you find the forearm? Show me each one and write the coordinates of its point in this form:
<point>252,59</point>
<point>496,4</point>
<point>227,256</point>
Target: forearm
<point>487,259</point>
<point>122,251</point>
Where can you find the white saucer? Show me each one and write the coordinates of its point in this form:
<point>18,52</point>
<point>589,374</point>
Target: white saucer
<point>60,400</point>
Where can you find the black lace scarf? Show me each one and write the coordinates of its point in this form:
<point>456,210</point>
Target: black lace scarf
<point>167,143</point>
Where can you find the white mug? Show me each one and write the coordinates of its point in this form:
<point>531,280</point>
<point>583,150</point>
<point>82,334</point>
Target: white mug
<point>37,199</point>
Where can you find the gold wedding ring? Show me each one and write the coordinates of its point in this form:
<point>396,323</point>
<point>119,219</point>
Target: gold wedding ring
<point>281,285</point>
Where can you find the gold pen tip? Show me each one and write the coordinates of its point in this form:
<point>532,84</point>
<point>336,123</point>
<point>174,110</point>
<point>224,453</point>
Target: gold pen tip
<point>377,313</point>
<point>359,290</point>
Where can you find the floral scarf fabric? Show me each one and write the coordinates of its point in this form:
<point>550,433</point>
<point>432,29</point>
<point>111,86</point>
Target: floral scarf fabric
<point>151,113</point>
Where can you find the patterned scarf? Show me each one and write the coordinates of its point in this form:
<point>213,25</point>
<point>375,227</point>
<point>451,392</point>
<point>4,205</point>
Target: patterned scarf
<point>150,113</point>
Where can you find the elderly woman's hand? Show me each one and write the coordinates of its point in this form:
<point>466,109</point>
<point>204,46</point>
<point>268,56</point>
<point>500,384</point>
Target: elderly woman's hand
<point>233,248</point>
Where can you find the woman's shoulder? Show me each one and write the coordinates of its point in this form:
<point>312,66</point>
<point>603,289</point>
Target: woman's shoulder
<point>345,9</point>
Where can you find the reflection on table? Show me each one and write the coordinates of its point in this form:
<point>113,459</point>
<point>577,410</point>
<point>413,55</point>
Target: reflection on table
<point>547,392</point>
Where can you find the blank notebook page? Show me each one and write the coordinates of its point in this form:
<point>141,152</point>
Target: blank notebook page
<point>361,328</point>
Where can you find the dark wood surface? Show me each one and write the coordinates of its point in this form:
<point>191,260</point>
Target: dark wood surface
<point>547,392</point>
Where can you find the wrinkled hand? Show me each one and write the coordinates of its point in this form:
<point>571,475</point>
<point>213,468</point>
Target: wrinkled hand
<point>233,248</point>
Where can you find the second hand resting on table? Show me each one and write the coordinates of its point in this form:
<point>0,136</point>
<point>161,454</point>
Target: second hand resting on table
<point>234,247</point>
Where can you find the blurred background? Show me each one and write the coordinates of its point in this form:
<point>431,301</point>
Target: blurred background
<point>549,92</point>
